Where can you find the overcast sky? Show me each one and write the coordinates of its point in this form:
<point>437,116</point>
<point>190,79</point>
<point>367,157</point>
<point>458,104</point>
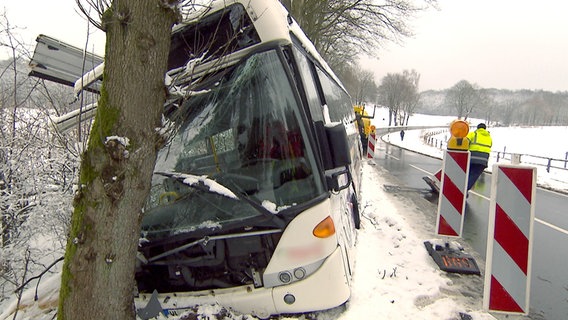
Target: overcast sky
<point>504,44</point>
<point>56,18</point>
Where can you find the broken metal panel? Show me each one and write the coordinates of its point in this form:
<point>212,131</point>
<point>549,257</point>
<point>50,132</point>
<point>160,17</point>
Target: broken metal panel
<point>57,61</point>
<point>71,119</point>
<point>90,80</point>
<point>450,259</point>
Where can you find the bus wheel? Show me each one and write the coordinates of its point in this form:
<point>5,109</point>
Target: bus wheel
<point>356,215</point>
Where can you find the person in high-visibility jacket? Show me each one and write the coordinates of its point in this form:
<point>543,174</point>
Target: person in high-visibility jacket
<point>480,143</point>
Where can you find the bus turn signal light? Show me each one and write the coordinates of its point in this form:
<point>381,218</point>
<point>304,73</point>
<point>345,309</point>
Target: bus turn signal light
<point>325,229</point>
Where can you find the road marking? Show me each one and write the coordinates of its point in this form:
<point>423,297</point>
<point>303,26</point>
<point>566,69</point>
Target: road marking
<point>552,191</point>
<point>550,225</point>
<point>479,195</point>
<point>420,169</point>
<point>390,155</point>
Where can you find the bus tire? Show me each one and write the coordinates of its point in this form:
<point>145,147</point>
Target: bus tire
<point>356,215</point>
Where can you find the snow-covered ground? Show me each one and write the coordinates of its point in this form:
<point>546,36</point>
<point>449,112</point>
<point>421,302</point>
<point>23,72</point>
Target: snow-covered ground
<point>394,276</point>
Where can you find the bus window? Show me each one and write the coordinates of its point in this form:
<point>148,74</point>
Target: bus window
<point>309,85</point>
<point>233,31</point>
<point>340,109</point>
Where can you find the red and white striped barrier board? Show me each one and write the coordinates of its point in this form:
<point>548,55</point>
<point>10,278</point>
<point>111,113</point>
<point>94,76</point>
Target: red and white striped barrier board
<point>451,201</point>
<point>438,175</point>
<point>371,146</point>
<point>509,239</point>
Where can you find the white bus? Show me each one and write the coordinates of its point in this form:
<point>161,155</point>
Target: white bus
<point>254,199</point>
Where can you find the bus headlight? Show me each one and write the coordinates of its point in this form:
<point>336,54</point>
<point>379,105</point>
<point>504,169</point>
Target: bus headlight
<point>285,277</point>
<point>299,273</point>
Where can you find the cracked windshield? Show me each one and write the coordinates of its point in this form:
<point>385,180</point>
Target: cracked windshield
<point>237,151</point>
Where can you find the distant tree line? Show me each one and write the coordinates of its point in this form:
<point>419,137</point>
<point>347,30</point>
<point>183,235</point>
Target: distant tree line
<point>497,106</point>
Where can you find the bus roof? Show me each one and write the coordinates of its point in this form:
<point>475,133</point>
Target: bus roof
<point>271,20</point>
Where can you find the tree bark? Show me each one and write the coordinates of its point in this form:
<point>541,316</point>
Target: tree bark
<point>98,272</point>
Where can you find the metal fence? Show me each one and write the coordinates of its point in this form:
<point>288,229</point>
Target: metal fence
<point>431,139</point>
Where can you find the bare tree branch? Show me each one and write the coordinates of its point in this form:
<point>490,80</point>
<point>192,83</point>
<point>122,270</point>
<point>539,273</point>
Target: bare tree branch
<point>343,29</point>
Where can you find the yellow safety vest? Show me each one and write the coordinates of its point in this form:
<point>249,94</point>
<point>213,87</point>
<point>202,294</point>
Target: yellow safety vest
<point>480,141</point>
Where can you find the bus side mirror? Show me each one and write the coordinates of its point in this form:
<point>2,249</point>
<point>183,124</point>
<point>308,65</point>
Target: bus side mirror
<point>334,145</point>
<point>338,145</point>
<point>335,153</point>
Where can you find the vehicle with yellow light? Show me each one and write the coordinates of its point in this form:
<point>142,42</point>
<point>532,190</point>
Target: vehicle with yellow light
<point>364,125</point>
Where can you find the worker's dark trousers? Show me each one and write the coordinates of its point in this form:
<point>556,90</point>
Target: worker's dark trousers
<point>475,171</point>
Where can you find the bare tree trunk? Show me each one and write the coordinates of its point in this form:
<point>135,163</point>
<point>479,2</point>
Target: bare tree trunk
<point>98,273</point>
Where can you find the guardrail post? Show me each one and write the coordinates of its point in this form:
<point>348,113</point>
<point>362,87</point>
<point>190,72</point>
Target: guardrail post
<point>548,165</point>
<point>499,154</point>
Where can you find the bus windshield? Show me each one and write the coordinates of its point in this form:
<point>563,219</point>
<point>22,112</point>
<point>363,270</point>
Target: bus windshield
<point>237,149</point>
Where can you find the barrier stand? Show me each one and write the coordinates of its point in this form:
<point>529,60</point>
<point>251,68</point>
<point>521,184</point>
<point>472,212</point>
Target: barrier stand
<point>453,177</point>
<point>371,146</point>
<point>438,175</point>
<point>509,239</point>
<point>453,188</point>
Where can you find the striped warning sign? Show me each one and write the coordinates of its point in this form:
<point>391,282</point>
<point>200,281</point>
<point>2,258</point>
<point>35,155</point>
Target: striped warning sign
<point>371,146</point>
<point>438,175</point>
<point>451,201</point>
<point>509,239</point>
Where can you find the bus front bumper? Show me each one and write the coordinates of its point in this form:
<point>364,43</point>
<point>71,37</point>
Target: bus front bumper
<point>328,287</point>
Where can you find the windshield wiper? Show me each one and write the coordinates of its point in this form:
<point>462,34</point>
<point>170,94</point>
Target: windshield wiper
<point>204,241</point>
<point>265,212</point>
<point>203,183</point>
